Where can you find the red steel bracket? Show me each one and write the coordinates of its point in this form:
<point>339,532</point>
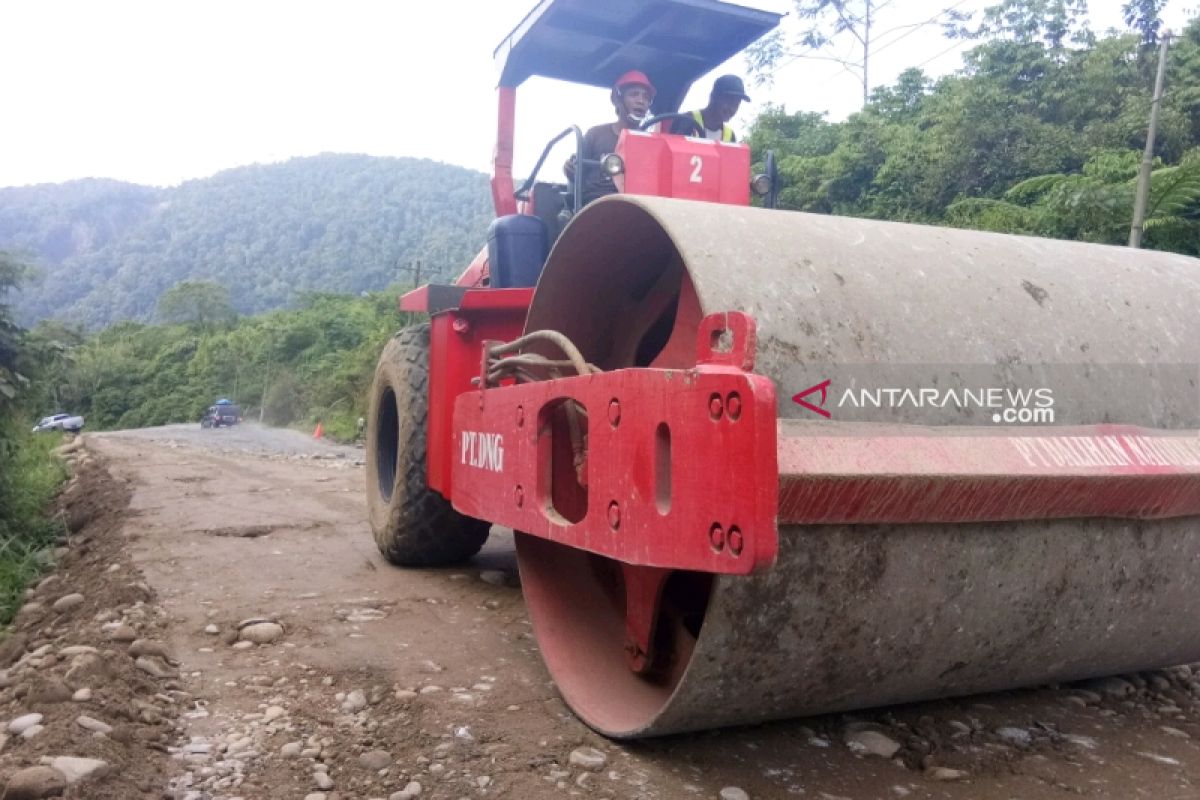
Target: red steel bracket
<point>677,469</point>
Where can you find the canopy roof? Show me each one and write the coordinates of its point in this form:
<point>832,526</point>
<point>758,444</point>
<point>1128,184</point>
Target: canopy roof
<point>675,42</point>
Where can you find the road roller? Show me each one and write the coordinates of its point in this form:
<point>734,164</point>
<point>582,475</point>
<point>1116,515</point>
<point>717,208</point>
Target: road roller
<point>762,464</point>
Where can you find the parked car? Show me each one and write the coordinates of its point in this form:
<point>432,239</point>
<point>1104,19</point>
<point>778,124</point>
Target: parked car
<point>59,422</point>
<point>226,414</point>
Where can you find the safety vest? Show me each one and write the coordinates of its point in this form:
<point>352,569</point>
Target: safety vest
<point>726,131</point>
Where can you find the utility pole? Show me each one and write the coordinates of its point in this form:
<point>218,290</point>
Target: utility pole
<point>415,269</point>
<point>1143,186</point>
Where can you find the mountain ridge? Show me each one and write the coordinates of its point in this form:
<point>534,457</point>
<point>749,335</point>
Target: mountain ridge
<point>105,250</point>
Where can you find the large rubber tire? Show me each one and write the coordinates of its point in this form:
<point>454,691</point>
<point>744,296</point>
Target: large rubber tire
<point>414,526</point>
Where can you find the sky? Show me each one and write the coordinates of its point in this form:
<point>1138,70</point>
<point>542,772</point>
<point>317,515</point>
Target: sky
<point>166,91</point>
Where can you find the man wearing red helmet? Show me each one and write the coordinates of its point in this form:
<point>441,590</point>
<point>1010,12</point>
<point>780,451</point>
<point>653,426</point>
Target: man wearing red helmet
<point>631,96</point>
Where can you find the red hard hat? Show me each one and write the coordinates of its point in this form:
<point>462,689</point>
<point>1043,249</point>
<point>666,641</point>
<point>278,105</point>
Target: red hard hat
<point>632,78</point>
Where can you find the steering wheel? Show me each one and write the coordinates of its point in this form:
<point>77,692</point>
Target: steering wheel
<point>657,118</point>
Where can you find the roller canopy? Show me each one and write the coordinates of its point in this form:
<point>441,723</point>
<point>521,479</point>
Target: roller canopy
<point>674,41</point>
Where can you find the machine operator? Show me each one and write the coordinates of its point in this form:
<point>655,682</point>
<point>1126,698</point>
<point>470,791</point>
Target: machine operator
<point>631,97</point>
<point>712,121</point>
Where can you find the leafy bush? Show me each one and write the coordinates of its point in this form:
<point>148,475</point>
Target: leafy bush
<point>29,478</point>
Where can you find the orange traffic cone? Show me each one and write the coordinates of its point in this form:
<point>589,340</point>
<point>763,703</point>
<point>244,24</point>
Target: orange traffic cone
<point>319,432</point>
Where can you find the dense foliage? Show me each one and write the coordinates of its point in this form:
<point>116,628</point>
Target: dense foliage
<point>29,474</point>
<point>107,250</point>
<point>1041,132</point>
<point>288,366</point>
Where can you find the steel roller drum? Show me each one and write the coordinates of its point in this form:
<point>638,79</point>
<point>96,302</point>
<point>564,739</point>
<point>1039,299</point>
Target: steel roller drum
<point>854,616</point>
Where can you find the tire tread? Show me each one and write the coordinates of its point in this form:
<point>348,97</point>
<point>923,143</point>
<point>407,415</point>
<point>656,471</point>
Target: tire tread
<point>419,527</point>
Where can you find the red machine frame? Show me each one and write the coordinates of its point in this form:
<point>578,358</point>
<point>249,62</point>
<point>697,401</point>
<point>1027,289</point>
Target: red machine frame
<point>719,406</point>
<point>656,164</point>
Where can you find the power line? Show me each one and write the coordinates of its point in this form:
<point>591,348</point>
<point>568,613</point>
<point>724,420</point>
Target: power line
<point>939,55</point>
<point>915,26</point>
<point>952,47</point>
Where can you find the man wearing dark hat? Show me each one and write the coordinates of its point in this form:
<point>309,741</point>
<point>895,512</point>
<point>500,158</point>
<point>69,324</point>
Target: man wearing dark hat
<point>712,121</point>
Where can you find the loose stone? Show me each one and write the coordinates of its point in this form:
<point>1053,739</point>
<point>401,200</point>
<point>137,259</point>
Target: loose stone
<point>871,742</point>
<point>261,632</point>
<point>35,783</point>
<point>24,722</point>
<point>412,789</point>
<point>68,602</point>
<point>149,647</point>
<point>588,758</point>
<point>355,701</point>
<point>494,577</point>
<point>77,769</point>
<point>77,650</point>
<point>92,724</point>
<point>375,759</point>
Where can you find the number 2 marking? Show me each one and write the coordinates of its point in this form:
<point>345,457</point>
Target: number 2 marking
<point>697,164</point>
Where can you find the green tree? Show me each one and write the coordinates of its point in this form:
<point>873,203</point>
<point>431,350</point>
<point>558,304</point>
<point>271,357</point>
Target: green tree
<point>203,304</point>
<point>1037,96</point>
<point>1145,17</point>
<point>1054,23</point>
<point>11,379</point>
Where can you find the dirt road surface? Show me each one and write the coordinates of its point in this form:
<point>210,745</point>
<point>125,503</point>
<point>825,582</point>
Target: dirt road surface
<point>376,682</point>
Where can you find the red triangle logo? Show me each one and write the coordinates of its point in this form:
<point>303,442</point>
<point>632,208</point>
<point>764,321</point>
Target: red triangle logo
<point>823,388</point>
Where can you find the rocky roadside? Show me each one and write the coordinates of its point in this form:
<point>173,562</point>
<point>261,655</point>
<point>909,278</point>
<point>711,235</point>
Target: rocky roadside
<point>90,695</point>
<point>309,674</point>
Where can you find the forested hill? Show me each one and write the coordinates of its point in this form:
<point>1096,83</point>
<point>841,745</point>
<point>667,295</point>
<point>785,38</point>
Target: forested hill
<point>106,250</point>
<point>1041,132</point>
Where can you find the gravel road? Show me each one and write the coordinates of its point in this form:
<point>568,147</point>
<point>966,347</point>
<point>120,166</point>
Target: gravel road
<point>320,672</point>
